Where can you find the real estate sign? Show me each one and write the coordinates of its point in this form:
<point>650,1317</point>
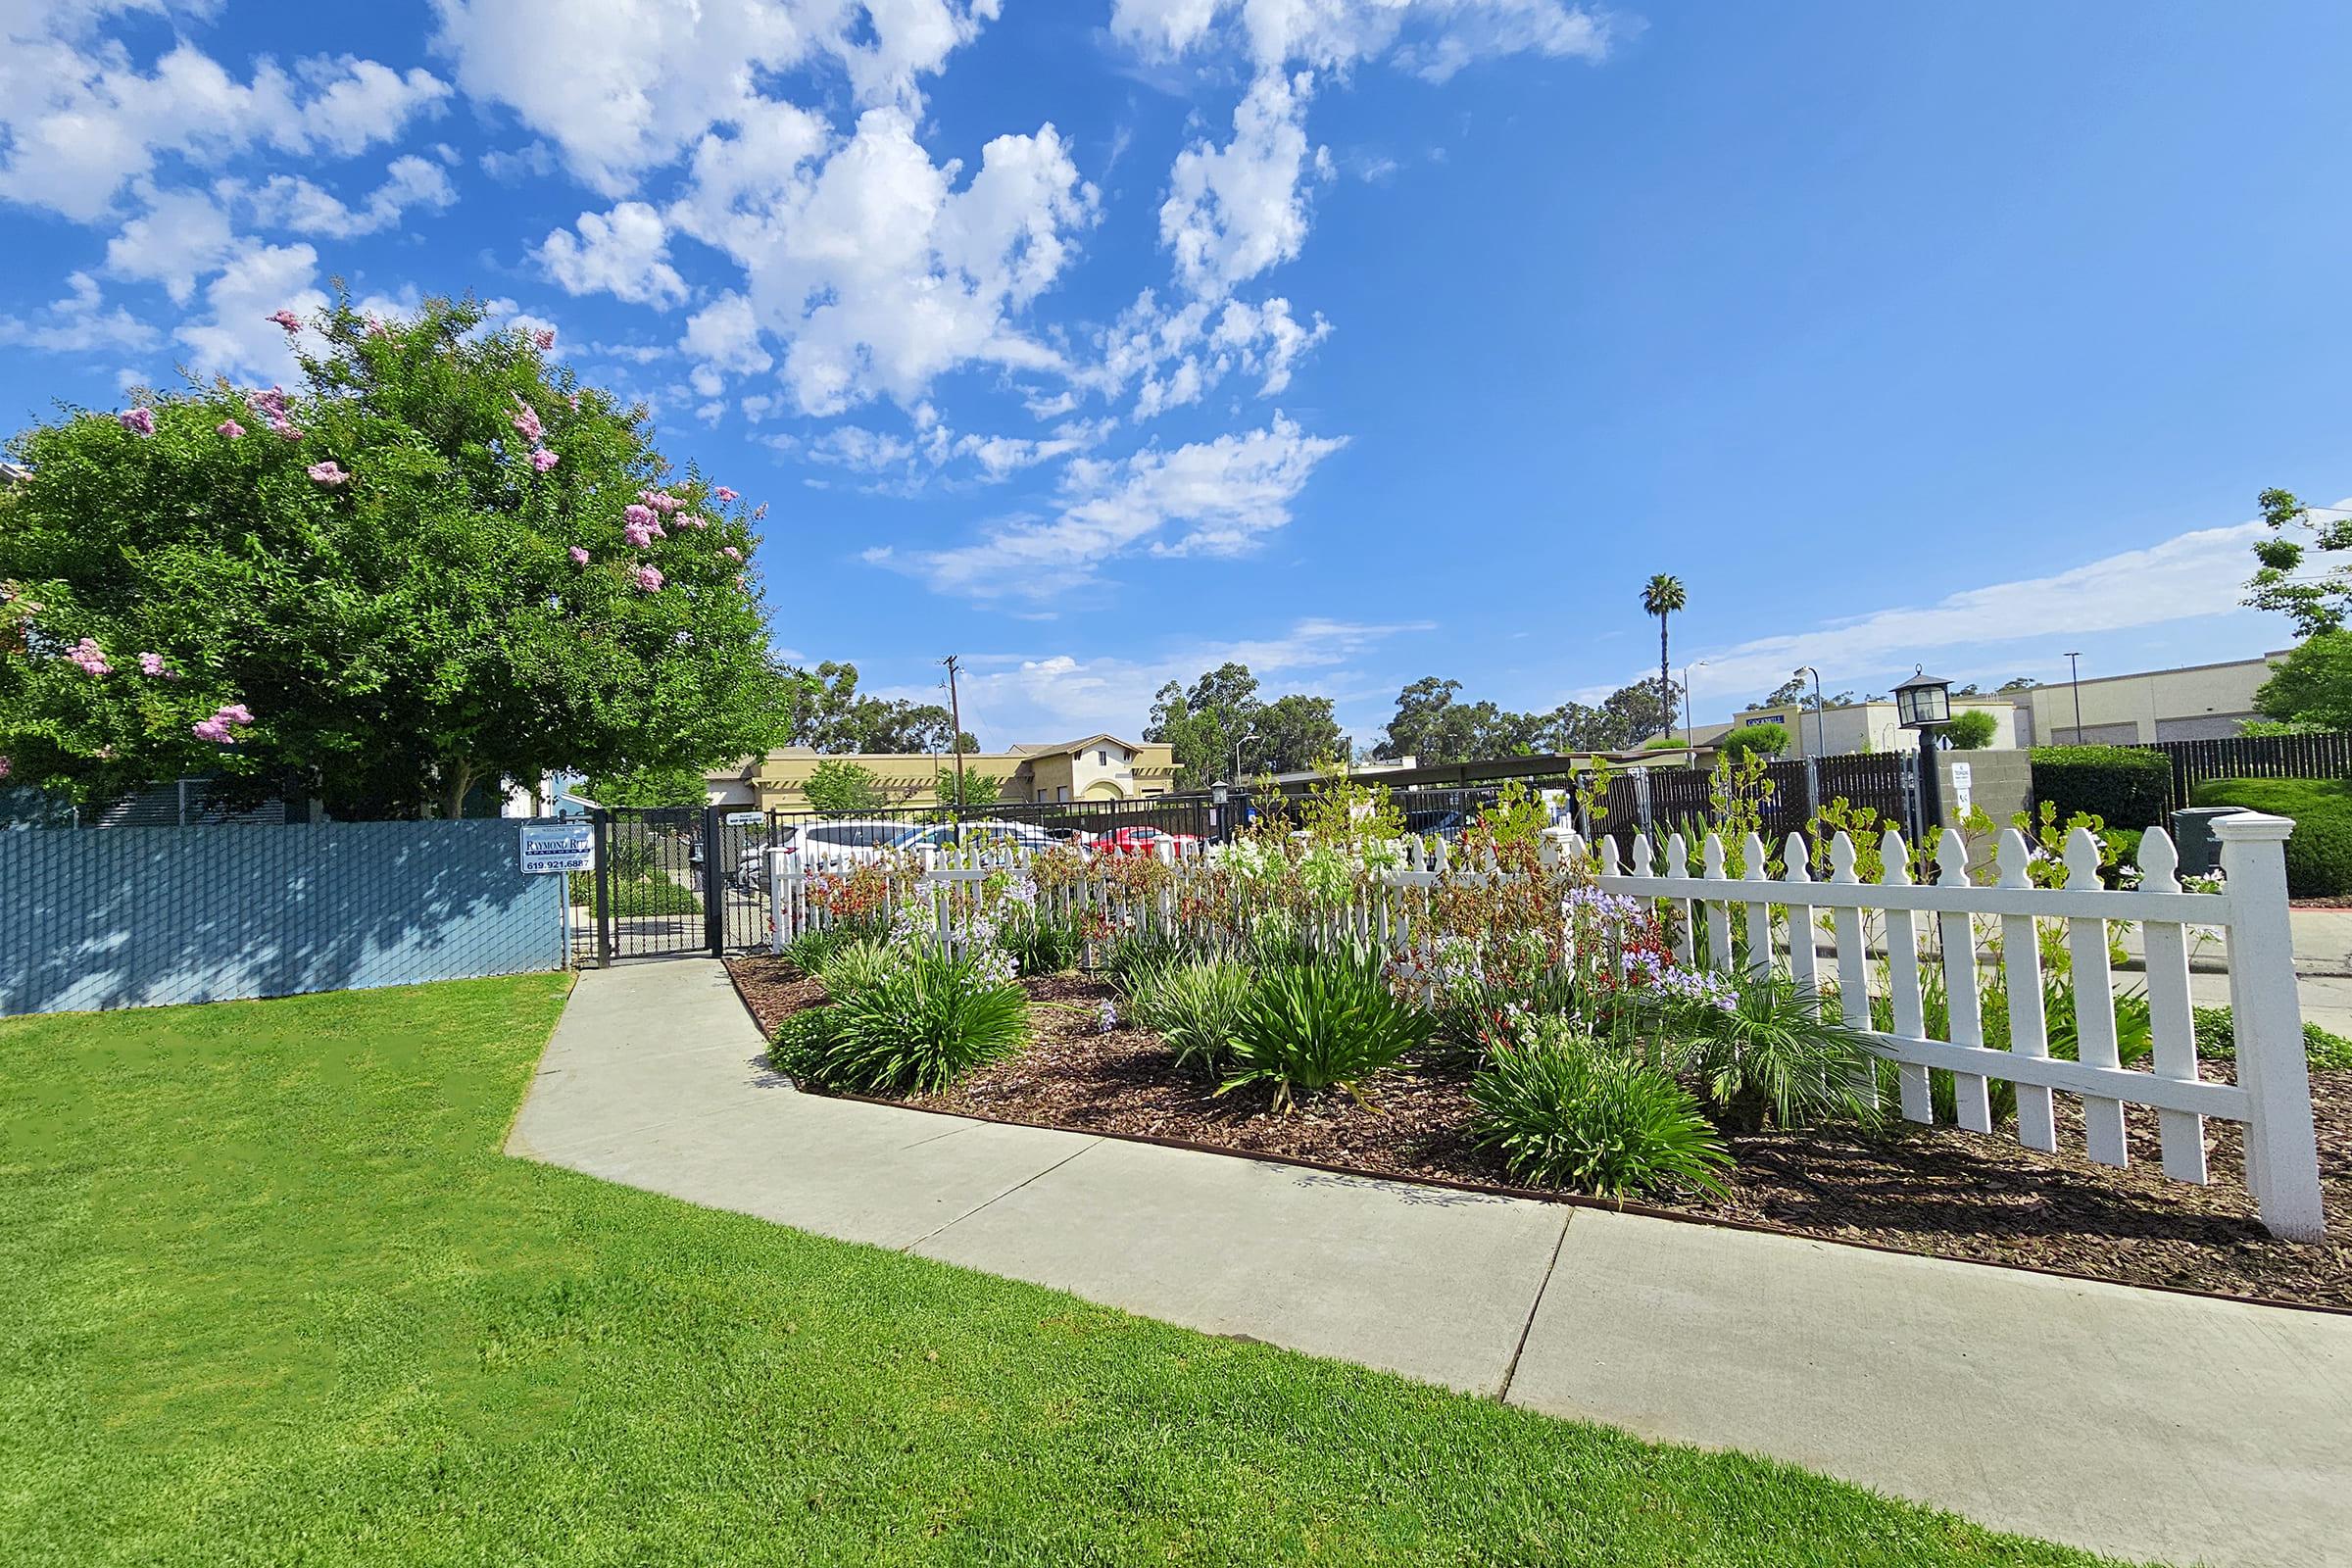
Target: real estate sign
<point>549,848</point>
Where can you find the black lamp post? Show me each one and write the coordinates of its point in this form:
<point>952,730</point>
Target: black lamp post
<point>1923,702</point>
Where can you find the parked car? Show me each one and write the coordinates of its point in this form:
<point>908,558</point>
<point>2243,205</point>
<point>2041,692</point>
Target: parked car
<point>1444,824</point>
<point>827,845</point>
<point>1027,835</point>
<point>1143,841</point>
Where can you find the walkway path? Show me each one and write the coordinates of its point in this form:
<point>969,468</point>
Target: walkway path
<point>2129,1421</point>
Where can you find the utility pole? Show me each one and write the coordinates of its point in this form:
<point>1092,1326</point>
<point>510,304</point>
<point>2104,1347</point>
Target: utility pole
<point>2076,661</point>
<point>956,724</point>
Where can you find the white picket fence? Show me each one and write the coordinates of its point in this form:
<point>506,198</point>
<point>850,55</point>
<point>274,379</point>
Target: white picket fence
<point>1919,927</point>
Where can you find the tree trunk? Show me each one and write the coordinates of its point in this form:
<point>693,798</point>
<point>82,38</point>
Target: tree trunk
<point>456,779</point>
<point>1665,682</point>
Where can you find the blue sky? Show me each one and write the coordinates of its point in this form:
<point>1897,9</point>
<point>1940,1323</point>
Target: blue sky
<point>1101,340</point>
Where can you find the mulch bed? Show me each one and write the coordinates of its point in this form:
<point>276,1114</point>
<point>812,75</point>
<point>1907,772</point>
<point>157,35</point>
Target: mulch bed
<point>1944,1192</point>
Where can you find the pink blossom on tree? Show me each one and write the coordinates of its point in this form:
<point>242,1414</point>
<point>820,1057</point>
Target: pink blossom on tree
<point>229,428</point>
<point>648,580</point>
<point>544,339</point>
<point>579,557</point>
<point>212,729</point>
<point>138,421</point>
<point>640,535</point>
<point>732,554</point>
<point>153,665</point>
<point>233,714</point>
<point>6,768</point>
<point>327,472</point>
<point>89,657</point>
<point>544,459</point>
<point>526,422</point>
<point>287,319</point>
<point>639,515</point>
<point>723,493</point>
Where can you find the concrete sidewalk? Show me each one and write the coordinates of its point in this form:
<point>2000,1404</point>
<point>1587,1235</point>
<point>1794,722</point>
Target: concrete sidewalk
<point>2129,1421</point>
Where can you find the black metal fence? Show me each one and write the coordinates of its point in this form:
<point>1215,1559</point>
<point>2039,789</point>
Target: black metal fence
<point>2323,756</point>
<point>1682,799</point>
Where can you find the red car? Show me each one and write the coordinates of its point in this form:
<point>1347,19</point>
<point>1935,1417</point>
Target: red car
<point>1143,841</point>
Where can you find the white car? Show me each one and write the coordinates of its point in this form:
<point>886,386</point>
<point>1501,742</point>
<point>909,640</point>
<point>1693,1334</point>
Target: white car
<point>1028,835</point>
<point>819,846</point>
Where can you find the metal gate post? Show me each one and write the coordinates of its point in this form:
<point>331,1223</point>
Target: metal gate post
<point>603,821</point>
<point>714,889</point>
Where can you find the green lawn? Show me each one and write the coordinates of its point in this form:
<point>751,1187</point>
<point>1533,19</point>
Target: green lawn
<point>269,1294</point>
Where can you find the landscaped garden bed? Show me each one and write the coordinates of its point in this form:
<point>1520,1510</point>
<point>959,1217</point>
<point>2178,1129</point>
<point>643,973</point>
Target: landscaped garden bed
<point>1937,1191</point>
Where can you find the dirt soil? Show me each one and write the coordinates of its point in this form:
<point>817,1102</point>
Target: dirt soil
<point>1944,1192</point>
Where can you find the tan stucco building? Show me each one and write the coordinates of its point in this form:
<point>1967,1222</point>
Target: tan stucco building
<point>2193,703</point>
<point>1873,726</point>
<point>1097,768</point>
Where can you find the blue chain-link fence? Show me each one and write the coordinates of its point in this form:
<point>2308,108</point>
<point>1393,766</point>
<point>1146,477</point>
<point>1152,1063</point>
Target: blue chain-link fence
<point>141,916</point>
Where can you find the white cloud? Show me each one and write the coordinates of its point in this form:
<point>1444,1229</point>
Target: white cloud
<point>77,325</point>
<point>1013,697</point>
<point>879,275</point>
<point>79,120</point>
<point>2192,574</point>
<point>1178,355</point>
<point>625,86</point>
<point>183,235</point>
<point>235,335</point>
<point>1217,498</point>
<point>1433,37</point>
<point>724,336</point>
<point>1235,211</point>
<point>624,252</point>
<point>289,201</point>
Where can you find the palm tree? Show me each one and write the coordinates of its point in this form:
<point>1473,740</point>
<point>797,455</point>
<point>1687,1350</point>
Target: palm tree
<point>1661,596</point>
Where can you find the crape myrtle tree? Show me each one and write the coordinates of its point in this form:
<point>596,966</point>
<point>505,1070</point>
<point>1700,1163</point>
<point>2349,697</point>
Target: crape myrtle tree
<point>440,562</point>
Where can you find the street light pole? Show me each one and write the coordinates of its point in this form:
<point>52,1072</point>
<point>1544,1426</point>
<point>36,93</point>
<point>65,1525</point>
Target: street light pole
<point>1686,670</point>
<point>956,722</point>
<point>1820,742</point>
<point>2074,662</point>
<point>1247,732</point>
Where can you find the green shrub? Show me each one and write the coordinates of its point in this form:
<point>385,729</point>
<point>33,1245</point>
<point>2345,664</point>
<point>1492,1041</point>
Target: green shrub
<point>1141,950</point>
<point>808,950</point>
<point>1778,1054</point>
<point>923,1024</point>
<point>1041,944</point>
<point>1972,729</point>
<point>2319,854</point>
<point>1194,1006</point>
<point>659,895</point>
<point>854,966</point>
<point>1765,740</point>
<point>2123,786</point>
<point>1567,1115</point>
<point>2217,1041</point>
<point>1329,1024</point>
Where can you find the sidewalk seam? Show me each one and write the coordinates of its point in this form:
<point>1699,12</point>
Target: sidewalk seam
<point>1006,1193</point>
<point>1502,1394</point>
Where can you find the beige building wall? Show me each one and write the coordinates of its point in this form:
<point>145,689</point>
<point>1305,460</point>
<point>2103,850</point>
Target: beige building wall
<point>1102,768</point>
<point>1857,727</point>
<point>2197,701</point>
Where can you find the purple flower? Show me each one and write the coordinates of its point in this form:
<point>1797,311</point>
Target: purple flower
<point>544,339</point>
<point>89,657</point>
<point>579,557</point>
<point>233,714</point>
<point>229,428</point>
<point>638,515</point>
<point>327,472</point>
<point>212,729</point>
<point>138,421</point>
<point>544,459</point>
<point>526,422</point>
<point>640,535</point>
<point>287,319</point>
<point>723,493</point>
<point>153,665</point>
<point>649,580</point>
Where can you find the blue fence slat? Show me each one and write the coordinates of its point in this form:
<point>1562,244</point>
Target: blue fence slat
<point>144,916</point>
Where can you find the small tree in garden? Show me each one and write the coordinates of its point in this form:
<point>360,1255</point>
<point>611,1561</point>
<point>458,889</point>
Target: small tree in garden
<point>441,562</point>
<point>1760,739</point>
<point>1972,730</point>
<point>980,787</point>
<point>2313,685</point>
<point>843,789</point>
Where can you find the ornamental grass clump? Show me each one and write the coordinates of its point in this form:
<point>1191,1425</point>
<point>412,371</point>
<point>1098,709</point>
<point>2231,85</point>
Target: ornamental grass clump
<point>1305,1028</point>
<point>1566,1113</point>
<point>1041,943</point>
<point>1194,1006</point>
<point>918,1027</point>
<point>1768,1049</point>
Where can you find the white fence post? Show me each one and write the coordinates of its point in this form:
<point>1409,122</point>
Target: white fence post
<point>2283,1162</point>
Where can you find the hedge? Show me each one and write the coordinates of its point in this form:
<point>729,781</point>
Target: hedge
<point>2319,852</point>
<point>2123,786</point>
<point>653,895</point>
